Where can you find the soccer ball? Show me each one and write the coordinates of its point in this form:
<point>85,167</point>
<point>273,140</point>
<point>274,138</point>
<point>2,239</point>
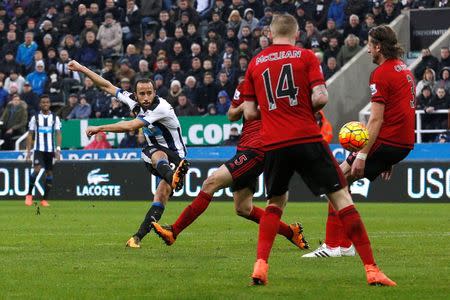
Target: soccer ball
<point>353,136</point>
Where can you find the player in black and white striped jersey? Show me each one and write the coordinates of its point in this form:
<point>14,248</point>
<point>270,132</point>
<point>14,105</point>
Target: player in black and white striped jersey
<point>44,138</point>
<point>162,131</point>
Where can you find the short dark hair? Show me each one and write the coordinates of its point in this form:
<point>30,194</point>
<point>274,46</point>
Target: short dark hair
<point>385,36</point>
<point>144,80</point>
<point>44,96</point>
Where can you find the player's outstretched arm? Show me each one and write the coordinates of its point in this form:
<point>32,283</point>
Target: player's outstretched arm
<point>235,113</point>
<point>319,97</point>
<point>123,126</point>
<point>251,111</point>
<point>374,124</point>
<point>101,82</point>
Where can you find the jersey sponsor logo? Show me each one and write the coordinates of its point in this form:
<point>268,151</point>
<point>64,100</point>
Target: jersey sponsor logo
<point>373,89</point>
<point>152,131</point>
<point>94,179</point>
<point>45,129</point>
<point>279,55</point>
<point>361,187</point>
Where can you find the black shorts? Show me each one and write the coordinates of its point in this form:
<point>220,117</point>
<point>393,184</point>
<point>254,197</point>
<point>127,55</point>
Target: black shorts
<point>245,168</point>
<point>43,159</point>
<point>313,161</point>
<point>381,158</point>
<point>174,158</point>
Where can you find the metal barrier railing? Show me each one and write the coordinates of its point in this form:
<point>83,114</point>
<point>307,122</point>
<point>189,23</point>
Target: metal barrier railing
<point>20,140</point>
<point>365,113</point>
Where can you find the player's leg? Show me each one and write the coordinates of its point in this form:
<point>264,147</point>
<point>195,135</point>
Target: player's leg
<point>37,163</point>
<point>268,228</point>
<point>243,204</point>
<point>336,242</point>
<point>219,179</point>
<point>160,162</point>
<point>48,183</point>
<point>156,210</point>
<point>325,176</point>
<point>355,230</point>
<point>278,170</point>
<point>382,158</point>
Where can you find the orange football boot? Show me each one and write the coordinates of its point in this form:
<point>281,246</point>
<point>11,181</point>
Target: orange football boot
<point>45,203</point>
<point>376,277</point>
<point>165,233</point>
<point>298,239</point>
<point>29,200</point>
<point>178,175</point>
<point>260,270</point>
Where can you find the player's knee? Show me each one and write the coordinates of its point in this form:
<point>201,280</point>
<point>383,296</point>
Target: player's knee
<point>243,210</point>
<point>211,184</point>
<point>163,195</point>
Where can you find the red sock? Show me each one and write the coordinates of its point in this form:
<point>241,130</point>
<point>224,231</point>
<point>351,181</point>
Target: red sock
<point>355,230</point>
<point>255,216</point>
<point>268,227</point>
<point>191,212</point>
<point>335,235</point>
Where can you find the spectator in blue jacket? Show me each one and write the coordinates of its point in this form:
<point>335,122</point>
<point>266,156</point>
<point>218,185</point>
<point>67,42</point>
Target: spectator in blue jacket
<point>82,110</point>
<point>223,103</point>
<point>26,50</point>
<point>38,78</point>
<point>336,12</point>
<point>89,55</point>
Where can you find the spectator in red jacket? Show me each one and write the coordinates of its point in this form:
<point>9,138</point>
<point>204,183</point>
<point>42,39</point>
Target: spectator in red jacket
<point>99,142</point>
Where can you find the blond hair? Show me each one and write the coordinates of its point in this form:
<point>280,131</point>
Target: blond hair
<point>234,13</point>
<point>283,25</point>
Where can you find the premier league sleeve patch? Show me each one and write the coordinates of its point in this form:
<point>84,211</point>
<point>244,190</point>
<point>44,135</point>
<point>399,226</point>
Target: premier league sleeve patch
<point>373,89</point>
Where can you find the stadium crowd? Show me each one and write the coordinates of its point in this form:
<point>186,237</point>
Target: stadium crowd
<point>433,92</point>
<point>196,51</point>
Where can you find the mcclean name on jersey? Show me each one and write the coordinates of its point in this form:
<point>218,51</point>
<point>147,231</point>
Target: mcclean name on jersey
<point>279,55</point>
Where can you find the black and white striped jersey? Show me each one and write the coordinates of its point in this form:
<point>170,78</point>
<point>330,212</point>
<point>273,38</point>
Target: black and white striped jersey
<point>162,126</point>
<point>44,126</point>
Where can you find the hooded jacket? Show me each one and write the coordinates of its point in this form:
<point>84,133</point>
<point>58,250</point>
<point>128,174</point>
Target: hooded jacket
<point>222,109</point>
<point>37,81</point>
<point>421,84</point>
<point>102,144</point>
<point>444,83</point>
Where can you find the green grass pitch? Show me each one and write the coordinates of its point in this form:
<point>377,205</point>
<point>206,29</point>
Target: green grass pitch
<point>76,250</point>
